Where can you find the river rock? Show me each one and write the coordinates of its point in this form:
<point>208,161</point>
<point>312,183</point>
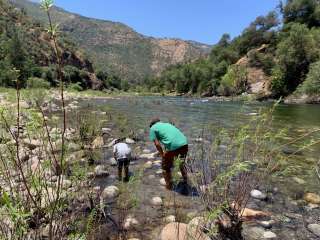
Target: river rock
<point>151,177</point>
<point>266,224</point>
<point>113,161</point>
<point>156,201</point>
<point>148,165</point>
<point>149,156</point>
<point>97,143</point>
<point>110,192</point>
<point>315,229</point>
<point>106,130</point>
<point>170,219</point>
<point>197,223</point>
<point>146,151</point>
<point>269,235</point>
<point>130,222</point>
<point>258,194</point>
<point>32,144</point>
<point>180,231</point>
<point>130,141</point>
<point>312,198</point>
<point>163,182</point>
<point>101,171</point>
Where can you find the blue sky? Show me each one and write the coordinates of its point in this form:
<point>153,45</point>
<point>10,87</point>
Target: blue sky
<point>200,20</point>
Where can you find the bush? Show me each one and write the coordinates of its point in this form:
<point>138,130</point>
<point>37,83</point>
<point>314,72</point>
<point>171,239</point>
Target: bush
<point>75,87</point>
<point>311,85</point>
<point>35,82</point>
<point>234,81</point>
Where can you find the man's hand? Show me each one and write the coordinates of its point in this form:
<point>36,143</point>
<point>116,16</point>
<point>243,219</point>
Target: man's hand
<point>158,146</point>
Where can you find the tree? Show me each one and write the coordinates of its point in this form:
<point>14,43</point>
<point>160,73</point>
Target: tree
<point>296,50</point>
<point>302,11</point>
<point>311,85</point>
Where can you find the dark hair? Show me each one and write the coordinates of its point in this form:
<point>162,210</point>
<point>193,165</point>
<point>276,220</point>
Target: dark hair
<point>154,121</point>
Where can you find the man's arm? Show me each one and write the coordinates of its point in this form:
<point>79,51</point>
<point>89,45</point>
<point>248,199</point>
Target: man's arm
<point>159,147</point>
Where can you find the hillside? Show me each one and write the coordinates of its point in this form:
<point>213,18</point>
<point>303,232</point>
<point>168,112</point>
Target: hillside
<point>117,48</point>
<point>27,47</point>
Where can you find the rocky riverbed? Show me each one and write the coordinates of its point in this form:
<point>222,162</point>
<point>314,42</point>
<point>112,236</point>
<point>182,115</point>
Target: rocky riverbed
<point>143,208</point>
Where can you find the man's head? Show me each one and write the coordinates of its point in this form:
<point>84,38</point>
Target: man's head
<point>154,121</point>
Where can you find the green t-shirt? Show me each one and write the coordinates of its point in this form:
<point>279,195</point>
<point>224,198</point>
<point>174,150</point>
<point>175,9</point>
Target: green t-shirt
<point>170,136</point>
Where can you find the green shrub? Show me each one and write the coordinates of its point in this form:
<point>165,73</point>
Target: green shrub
<point>234,81</point>
<point>34,82</point>
<point>311,85</point>
<point>75,87</point>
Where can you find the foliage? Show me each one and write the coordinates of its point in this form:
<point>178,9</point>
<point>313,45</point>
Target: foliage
<point>311,85</point>
<point>234,81</point>
<point>34,82</point>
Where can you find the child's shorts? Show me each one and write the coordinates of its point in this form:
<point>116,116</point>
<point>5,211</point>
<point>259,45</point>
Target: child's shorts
<point>123,162</point>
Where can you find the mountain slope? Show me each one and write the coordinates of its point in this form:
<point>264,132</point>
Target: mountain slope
<point>35,49</point>
<point>116,47</point>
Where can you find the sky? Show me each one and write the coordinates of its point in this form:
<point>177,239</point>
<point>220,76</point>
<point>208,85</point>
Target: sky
<point>200,20</point>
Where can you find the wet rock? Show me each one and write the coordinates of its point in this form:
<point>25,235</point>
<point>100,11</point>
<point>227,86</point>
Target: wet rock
<point>130,141</point>
<point>170,219</point>
<point>269,235</point>
<point>101,171</point>
<point>109,193</point>
<point>312,198</point>
<point>267,224</point>
<point>156,201</point>
<point>113,161</point>
<point>258,194</point>
<point>97,143</point>
<point>130,222</point>
<point>315,229</point>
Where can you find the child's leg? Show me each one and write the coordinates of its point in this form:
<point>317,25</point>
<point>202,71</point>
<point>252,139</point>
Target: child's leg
<point>120,170</point>
<point>126,170</point>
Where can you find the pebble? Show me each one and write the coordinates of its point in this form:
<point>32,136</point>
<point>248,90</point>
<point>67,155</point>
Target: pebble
<point>315,229</point>
<point>156,201</point>
<point>258,194</point>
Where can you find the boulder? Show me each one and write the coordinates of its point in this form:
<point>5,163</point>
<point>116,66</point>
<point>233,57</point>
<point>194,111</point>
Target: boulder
<point>110,193</point>
<point>156,201</point>
<point>258,194</point>
<point>312,198</point>
<point>315,229</point>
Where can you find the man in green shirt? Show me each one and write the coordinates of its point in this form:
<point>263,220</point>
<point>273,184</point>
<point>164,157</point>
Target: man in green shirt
<point>175,146</point>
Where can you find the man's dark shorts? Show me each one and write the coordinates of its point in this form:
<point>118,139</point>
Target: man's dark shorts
<point>170,156</point>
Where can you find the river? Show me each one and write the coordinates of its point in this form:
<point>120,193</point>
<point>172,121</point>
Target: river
<point>193,115</point>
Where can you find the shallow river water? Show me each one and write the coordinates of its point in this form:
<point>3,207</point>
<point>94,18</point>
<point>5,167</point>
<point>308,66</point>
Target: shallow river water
<point>192,115</point>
